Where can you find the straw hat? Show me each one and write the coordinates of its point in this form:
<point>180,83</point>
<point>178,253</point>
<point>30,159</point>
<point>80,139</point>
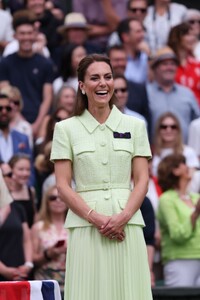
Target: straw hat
<point>161,55</point>
<point>73,20</point>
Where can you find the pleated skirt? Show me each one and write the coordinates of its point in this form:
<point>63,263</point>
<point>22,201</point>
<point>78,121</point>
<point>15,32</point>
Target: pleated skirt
<point>101,269</point>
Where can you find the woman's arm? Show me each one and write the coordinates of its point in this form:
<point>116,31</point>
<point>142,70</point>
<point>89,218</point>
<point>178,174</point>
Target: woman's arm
<point>63,172</point>
<point>8,272</point>
<point>140,178</point>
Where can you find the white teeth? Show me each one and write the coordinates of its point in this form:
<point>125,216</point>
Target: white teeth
<point>101,92</point>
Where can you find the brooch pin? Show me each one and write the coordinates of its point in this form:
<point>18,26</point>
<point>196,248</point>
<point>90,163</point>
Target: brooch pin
<point>120,135</point>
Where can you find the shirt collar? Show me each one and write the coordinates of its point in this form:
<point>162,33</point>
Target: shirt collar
<point>91,123</point>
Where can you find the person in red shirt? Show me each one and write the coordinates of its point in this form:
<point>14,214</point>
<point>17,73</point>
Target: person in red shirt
<point>182,41</point>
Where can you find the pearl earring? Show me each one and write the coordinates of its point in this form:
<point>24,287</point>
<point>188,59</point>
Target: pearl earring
<point>83,92</point>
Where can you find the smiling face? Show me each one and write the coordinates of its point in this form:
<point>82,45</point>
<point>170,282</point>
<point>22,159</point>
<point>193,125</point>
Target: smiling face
<point>21,171</point>
<point>168,131</point>
<point>98,84</point>
<point>25,34</point>
<point>165,71</point>
<point>56,205</point>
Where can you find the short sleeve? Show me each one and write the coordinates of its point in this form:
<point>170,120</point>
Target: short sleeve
<point>5,197</point>
<point>141,141</point>
<point>61,147</point>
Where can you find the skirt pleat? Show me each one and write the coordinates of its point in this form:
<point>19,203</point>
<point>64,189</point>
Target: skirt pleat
<point>101,269</point>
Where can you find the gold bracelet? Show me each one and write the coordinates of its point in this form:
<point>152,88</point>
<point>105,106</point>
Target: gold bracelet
<point>89,212</point>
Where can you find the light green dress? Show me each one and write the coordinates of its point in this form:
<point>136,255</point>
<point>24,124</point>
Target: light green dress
<point>98,268</point>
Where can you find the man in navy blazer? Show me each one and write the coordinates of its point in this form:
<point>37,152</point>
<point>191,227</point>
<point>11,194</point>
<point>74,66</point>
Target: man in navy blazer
<point>11,141</point>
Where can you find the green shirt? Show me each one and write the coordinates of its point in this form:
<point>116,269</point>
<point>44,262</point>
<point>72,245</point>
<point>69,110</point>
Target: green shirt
<point>178,239</point>
<point>102,162</point>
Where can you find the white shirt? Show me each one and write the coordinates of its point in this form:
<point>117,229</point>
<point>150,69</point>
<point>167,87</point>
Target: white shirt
<point>194,136</point>
<point>6,30</point>
<point>58,83</point>
<point>6,147</point>
<point>190,156</point>
<point>158,27</point>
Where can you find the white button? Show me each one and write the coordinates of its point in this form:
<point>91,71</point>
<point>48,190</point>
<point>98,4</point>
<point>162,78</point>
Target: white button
<point>106,180</point>
<point>102,144</point>
<point>106,197</point>
<point>104,162</point>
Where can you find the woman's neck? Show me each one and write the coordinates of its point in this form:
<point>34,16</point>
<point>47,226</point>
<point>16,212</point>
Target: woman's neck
<point>182,188</point>
<point>183,56</point>
<point>58,219</point>
<point>161,7</point>
<point>100,113</point>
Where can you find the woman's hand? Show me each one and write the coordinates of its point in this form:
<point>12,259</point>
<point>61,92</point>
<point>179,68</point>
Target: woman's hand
<point>10,273</point>
<point>114,229</point>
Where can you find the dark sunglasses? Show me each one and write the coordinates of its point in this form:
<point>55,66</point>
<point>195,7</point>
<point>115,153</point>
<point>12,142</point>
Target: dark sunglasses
<point>134,10</point>
<point>122,90</point>
<point>8,108</point>
<point>8,175</point>
<point>52,197</point>
<point>194,21</point>
<point>163,126</point>
<point>16,102</point>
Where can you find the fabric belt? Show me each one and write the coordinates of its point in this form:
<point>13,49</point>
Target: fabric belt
<point>105,186</point>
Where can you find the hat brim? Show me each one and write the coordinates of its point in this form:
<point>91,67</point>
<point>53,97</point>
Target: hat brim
<point>62,29</point>
<point>156,61</point>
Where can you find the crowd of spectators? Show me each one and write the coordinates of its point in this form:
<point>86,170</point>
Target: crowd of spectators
<point>155,55</point>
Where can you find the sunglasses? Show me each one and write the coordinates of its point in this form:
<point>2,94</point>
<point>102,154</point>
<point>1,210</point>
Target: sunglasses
<point>134,10</point>
<point>163,126</point>
<point>122,90</point>
<point>8,175</point>
<point>7,108</point>
<point>194,21</point>
<point>53,198</point>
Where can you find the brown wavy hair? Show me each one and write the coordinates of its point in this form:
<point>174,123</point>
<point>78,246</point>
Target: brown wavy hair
<point>166,177</point>
<point>81,100</point>
<point>158,143</point>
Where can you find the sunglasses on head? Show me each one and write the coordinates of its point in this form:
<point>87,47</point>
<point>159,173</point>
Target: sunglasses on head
<point>8,175</point>
<point>163,126</point>
<point>134,10</point>
<point>194,21</point>
<point>122,90</point>
<point>7,108</point>
<point>52,197</point>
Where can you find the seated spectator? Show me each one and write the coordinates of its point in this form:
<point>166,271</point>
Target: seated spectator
<point>15,242</point>
<point>60,114</point>
<point>33,74</point>
<point>121,92</point>
<point>165,94</point>
<point>11,140</point>
<point>193,136</point>
<point>161,16</point>
<point>178,215</point>
<point>192,17</point>
<point>75,31</point>
<point>17,120</point>
<point>50,239</point>
<point>182,41</point>
<point>168,140</point>
<point>21,192</point>
<point>71,57</point>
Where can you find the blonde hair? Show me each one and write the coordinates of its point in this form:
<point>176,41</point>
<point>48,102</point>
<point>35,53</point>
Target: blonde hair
<point>158,142</point>
<point>44,213</point>
<point>13,93</point>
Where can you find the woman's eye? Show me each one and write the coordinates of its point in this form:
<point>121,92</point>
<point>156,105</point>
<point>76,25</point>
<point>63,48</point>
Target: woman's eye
<point>94,78</point>
<point>109,77</point>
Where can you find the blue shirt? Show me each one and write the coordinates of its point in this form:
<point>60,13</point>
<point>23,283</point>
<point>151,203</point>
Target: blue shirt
<point>137,68</point>
<point>180,101</point>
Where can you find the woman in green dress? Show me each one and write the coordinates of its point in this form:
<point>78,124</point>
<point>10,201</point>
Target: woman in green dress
<point>102,149</point>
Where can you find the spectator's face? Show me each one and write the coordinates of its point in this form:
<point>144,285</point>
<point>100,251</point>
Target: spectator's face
<point>194,22</point>
<point>121,92</point>
<point>168,131</point>
<point>37,6</point>
<point>165,71</point>
<point>67,99</point>
<point>76,35</point>
<point>136,34</point>
<point>118,61</point>
<point>25,34</point>
<point>21,171</point>
<point>56,205</point>
<point>138,10</point>
<point>78,53</point>
<point>188,42</point>
<point>5,113</point>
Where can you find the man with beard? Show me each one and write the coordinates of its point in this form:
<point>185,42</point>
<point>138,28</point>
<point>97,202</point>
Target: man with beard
<point>165,95</point>
<point>11,141</point>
